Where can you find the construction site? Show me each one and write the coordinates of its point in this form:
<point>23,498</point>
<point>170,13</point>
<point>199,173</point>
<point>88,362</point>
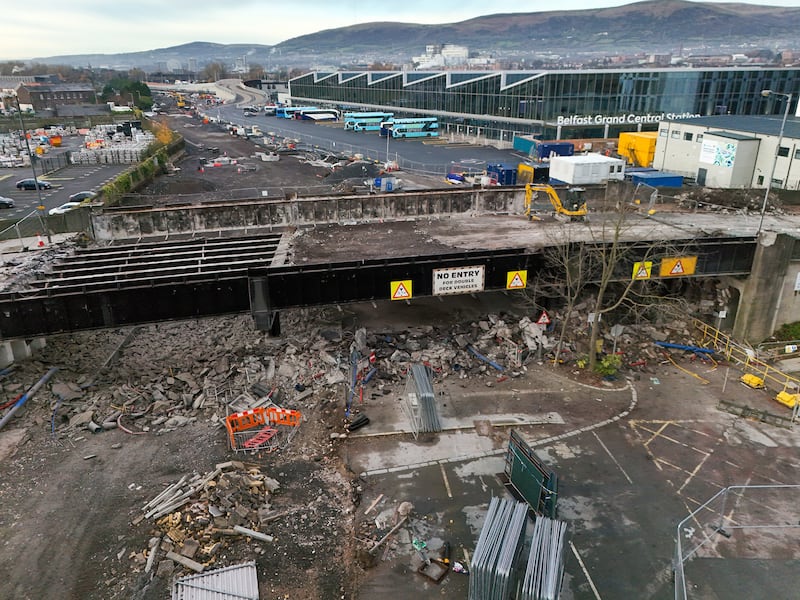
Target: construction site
<point>420,446</point>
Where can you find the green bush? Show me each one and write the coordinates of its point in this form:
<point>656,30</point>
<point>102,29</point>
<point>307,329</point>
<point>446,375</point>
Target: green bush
<point>608,365</point>
<point>790,331</point>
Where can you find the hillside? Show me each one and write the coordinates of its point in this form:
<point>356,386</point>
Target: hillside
<point>650,26</point>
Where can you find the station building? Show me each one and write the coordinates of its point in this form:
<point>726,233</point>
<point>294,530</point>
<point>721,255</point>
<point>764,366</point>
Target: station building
<point>727,151</point>
<point>557,104</point>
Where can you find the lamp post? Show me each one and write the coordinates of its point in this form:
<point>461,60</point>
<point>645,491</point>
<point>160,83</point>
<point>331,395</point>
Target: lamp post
<point>788,97</point>
<point>40,206</point>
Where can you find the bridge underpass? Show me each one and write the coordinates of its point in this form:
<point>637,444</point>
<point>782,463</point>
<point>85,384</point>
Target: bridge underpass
<point>138,283</point>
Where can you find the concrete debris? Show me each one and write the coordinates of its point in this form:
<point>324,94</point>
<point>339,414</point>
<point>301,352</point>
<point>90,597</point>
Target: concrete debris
<point>199,515</point>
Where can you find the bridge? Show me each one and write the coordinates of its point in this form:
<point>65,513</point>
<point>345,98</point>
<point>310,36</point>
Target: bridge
<point>189,266</point>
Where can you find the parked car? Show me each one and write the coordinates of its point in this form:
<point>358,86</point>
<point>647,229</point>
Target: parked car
<point>81,196</point>
<point>66,207</point>
<point>6,202</point>
<point>30,184</point>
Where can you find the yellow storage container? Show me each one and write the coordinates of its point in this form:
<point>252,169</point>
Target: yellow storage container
<point>753,381</point>
<point>787,399</point>
<point>639,147</point>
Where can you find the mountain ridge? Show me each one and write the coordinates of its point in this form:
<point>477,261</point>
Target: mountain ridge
<point>647,26</point>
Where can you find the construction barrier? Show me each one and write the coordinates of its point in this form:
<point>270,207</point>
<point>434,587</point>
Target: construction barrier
<point>261,428</point>
<point>283,416</point>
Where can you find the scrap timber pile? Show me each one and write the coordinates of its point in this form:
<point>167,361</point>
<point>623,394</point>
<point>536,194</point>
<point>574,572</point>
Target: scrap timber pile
<point>197,517</point>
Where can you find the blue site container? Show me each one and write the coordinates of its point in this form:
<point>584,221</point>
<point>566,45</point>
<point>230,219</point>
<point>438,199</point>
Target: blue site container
<point>506,174</point>
<point>658,179</point>
<point>549,149</point>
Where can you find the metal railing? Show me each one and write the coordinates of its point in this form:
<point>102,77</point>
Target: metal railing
<point>28,227</point>
<point>709,523</point>
<point>747,359</point>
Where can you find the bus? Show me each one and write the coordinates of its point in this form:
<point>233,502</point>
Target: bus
<point>413,127</point>
<point>288,112</point>
<point>365,121</point>
<point>318,114</point>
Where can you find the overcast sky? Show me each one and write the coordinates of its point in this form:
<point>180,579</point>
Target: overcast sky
<point>61,27</point>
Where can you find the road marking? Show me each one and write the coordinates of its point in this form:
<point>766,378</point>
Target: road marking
<point>694,472</point>
<point>585,572</point>
<point>619,466</point>
<point>446,482</point>
<point>655,433</point>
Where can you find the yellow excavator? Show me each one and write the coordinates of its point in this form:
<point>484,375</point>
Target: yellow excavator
<point>577,210</point>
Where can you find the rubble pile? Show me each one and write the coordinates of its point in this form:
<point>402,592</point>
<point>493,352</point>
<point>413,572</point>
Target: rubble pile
<point>200,516</point>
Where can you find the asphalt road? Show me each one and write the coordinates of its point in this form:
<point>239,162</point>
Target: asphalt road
<point>424,155</point>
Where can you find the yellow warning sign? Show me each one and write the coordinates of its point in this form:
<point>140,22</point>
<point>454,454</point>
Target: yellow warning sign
<point>516,280</point>
<point>678,267</point>
<point>400,290</point>
<point>642,270</point>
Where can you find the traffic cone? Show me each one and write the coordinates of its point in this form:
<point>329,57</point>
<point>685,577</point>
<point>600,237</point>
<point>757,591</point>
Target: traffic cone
<point>39,241</point>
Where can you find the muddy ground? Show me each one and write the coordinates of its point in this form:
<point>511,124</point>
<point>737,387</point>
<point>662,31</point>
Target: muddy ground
<point>71,501</point>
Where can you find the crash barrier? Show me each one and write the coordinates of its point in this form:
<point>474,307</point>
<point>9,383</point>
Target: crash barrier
<point>261,429</point>
<point>757,374</point>
<point>736,518</point>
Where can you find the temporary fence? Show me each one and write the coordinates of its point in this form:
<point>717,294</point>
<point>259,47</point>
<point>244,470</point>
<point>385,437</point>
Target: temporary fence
<point>495,562</point>
<point>262,429</point>
<point>419,401</point>
<point>235,582</point>
<point>529,478</point>
<point>26,230</point>
<point>546,558</point>
<point>730,523</point>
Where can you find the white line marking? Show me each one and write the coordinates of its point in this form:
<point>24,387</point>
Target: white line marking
<point>585,572</point>
<point>619,466</point>
<point>446,483</point>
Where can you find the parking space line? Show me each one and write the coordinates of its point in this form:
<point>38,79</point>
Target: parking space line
<point>670,439</point>
<point>585,571</point>
<point>446,482</point>
<point>619,466</point>
<point>669,464</point>
<point>655,433</point>
<point>694,472</point>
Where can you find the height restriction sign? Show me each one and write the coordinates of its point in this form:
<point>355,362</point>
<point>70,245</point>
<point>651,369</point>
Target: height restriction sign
<point>400,290</point>
<point>516,280</point>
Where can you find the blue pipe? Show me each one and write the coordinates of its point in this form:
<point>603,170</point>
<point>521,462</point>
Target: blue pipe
<point>27,396</point>
<point>480,356</point>
<point>695,349</point>
<point>370,375</point>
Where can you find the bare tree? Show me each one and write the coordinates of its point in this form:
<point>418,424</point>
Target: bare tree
<point>601,265</point>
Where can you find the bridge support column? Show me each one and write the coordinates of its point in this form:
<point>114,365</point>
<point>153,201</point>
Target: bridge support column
<point>264,317</point>
<point>6,355</point>
<point>20,350</point>
<point>37,344</point>
<point>761,294</point>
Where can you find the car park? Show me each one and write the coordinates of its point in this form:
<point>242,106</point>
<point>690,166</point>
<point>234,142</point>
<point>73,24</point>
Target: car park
<point>64,208</point>
<point>6,202</point>
<point>81,196</point>
<point>30,184</point>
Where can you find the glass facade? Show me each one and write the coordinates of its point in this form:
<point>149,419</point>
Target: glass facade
<point>552,104</point>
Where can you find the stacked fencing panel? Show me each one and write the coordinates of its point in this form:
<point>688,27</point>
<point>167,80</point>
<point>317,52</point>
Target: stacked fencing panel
<point>420,401</point>
<point>497,554</point>
<point>545,561</point>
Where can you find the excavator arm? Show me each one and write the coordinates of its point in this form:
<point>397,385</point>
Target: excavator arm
<point>577,213</point>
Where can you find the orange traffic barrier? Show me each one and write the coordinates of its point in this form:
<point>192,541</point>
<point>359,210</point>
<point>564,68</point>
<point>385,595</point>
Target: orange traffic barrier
<point>284,416</point>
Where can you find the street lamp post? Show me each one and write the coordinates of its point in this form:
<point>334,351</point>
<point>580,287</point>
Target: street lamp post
<point>40,206</point>
<point>788,97</point>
